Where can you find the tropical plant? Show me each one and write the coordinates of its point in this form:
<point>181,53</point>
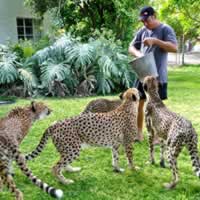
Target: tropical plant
<point>29,81</point>
<point>112,69</point>
<point>13,72</point>
<point>23,49</point>
<point>8,70</point>
<point>70,67</point>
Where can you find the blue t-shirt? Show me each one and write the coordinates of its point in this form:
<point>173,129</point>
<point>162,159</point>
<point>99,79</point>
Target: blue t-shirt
<point>163,32</point>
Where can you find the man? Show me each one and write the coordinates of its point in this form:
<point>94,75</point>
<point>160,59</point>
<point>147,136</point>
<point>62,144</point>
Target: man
<point>159,38</point>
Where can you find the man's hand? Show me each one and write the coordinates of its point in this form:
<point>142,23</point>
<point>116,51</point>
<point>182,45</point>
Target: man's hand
<point>139,54</point>
<point>149,41</point>
<point>135,52</point>
<point>166,45</point>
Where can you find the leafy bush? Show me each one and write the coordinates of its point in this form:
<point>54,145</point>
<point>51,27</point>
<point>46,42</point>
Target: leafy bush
<point>13,73</point>
<point>70,67</point>
<point>8,72</point>
<point>24,49</point>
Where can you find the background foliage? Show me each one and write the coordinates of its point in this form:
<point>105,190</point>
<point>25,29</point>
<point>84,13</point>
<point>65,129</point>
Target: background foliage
<point>83,17</point>
<point>91,57</point>
<point>67,67</point>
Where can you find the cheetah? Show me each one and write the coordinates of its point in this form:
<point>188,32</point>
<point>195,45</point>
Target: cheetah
<point>102,105</point>
<point>13,128</point>
<point>109,129</point>
<point>174,130</point>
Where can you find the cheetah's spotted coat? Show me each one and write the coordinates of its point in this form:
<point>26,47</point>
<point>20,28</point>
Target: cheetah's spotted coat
<point>102,105</point>
<point>101,129</point>
<point>174,130</point>
<point>13,128</point>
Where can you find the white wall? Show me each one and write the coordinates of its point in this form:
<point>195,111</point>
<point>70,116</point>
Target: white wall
<point>9,11</point>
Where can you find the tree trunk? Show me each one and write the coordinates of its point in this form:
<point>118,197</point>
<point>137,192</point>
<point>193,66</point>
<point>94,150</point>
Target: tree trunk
<point>183,50</point>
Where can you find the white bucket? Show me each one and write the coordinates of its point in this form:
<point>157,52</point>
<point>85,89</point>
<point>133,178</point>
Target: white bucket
<point>144,66</point>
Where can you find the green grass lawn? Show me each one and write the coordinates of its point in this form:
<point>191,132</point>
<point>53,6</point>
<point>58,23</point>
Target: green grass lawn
<point>97,181</point>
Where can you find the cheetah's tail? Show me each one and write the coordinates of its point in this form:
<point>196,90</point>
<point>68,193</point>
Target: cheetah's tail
<point>21,162</point>
<point>40,146</point>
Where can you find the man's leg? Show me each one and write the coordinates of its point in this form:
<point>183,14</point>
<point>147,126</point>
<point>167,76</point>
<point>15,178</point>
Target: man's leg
<point>140,120</point>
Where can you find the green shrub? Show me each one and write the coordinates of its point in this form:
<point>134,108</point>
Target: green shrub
<point>70,66</point>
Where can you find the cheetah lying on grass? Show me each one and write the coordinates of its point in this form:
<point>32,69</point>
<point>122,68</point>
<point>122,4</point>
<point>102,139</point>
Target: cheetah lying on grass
<point>13,128</point>
<point>175,130</point>
<point>101,129</point>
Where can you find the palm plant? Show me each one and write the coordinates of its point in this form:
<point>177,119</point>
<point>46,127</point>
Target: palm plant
<point>65,41</point>
<point>70,65</point>
<point>125,74</point>
<point>81,57</point>
<point>13,72</point>
<point>112,69</point>
<point>27,77</point>
<point>52,70</point>
<point>8,69</point>
<point>29,81</point>
<point>50,65</point>
<point>101,59</point>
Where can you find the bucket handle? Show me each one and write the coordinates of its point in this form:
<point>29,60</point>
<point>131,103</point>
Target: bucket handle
<point>150,49</point>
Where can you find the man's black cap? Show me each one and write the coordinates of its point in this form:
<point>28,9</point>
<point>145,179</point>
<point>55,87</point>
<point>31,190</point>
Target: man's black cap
<point>145,12</point>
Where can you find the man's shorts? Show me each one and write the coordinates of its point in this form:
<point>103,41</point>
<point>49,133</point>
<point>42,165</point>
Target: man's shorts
<point>162,90</point>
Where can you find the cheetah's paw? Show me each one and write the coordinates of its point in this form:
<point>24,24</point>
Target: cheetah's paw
<point>119,170</point>
<point>69,168</point>
<point>169,185</point>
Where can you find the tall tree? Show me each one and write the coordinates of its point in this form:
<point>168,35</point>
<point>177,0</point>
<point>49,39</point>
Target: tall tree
<point>84,17</point>
<point>183,16</point>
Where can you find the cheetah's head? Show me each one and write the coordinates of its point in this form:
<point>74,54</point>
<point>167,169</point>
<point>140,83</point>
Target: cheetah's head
<point>130,94</point>
<point>150,84</point>
<point>39,110</point>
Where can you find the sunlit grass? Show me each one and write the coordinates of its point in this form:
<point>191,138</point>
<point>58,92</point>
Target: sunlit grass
<point>97,181</point>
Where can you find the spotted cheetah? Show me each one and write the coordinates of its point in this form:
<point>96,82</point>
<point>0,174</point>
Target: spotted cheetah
<point>109,129</point>
<point>102,105</point>
<point>13,128</point>
<point>174,130</point>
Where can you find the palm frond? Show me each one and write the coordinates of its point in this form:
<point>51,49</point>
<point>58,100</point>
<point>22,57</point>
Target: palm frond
<point>41,55</point>
<point>53,52</point>
<point>91,81</point>
<point>29,80</point>
<point>127,76</point>
<point>80,54</point>
<point>104,85</point>
<point>51,70</point>
<point>71,82</point>
<point>107,66</point>
<point>64,41</point>
<point>8,70</point>
<point>121,57</point>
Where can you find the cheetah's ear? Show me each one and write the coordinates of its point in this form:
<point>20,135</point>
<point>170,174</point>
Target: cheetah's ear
<point>134,97</point>
<point>33,106</point>
<point>121,95</point>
